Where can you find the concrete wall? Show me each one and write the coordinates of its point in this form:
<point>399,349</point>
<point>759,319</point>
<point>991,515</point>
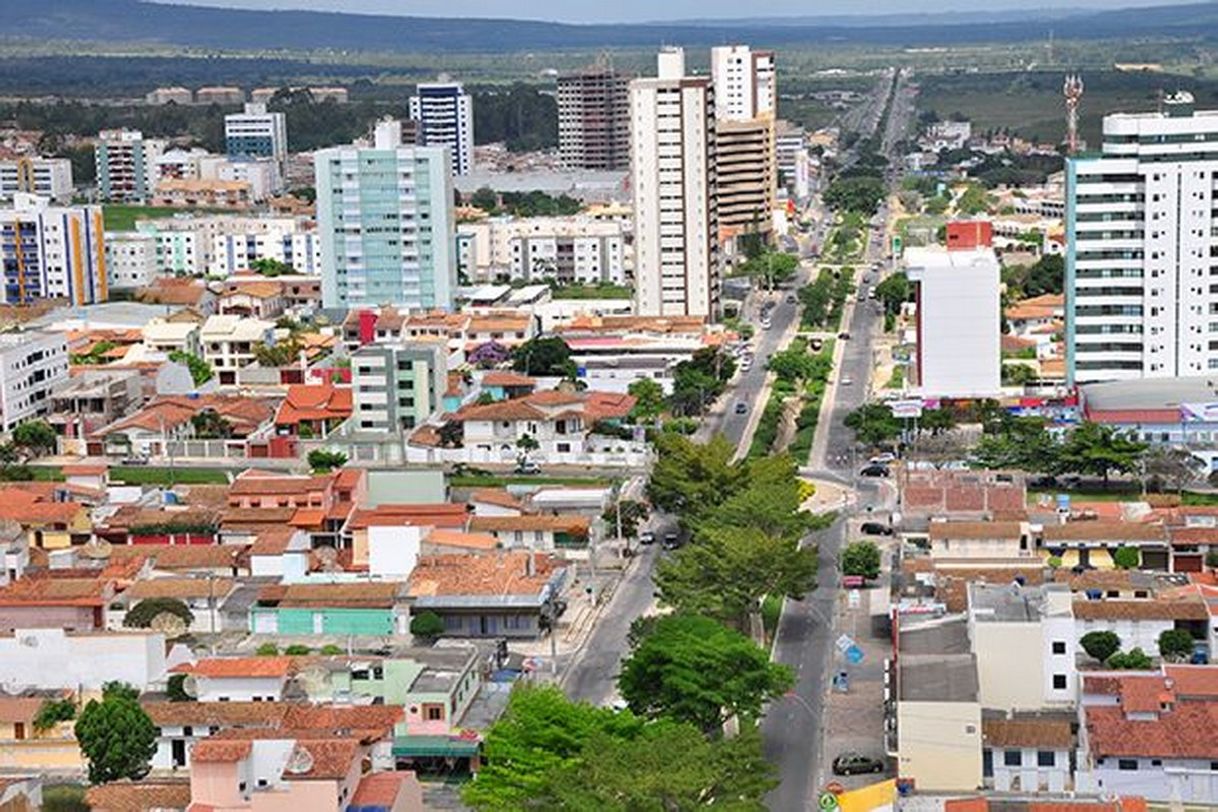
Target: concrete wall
<point>939,744</point>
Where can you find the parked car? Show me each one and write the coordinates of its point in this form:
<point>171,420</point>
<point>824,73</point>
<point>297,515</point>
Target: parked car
<point>741,407</point>
<point>874,471</point>
<point>875,529</point>
<point>672,540</point>
<point>886,458</point>
<point>791,298</point>
<point>844,336</point>
<point>527,467</point>
<point>647,537</point>
<point>135,461</point>
<point>856,764</point>
<point>846,381</point>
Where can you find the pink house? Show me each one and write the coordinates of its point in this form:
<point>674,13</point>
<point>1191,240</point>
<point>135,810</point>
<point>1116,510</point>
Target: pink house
<point>294,775</point>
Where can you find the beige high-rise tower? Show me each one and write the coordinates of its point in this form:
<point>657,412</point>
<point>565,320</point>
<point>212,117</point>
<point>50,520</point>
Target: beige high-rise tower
<point>673,177</point>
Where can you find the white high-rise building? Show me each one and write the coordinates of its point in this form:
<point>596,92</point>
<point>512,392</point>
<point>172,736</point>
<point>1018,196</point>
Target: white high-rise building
<point>674,181</point>
<point>45,177</point>
<point>958,346</point>
<point>386,222</point>
<point>125,162</point>
<point>52,252</point>
<point>257,133</point>
<point>744,82</point>
<point>1140,295</point>
<point>445,116</point>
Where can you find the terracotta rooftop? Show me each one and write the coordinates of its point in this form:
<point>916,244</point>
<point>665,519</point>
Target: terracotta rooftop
<point>180,588</point>
<point>499,377</point>
<point>215,714</point>
<point>345,717</point>
<point>55,591</point>
<point>568,523</point>
<point>457,538</point>
<point>975,530</point>
<point>499,497</point>
<point>245,414</point>
<point>1039,732</point>
<point>379,790</point>
<point>213,750</point>
<point>1193,681</point>
<point>362,595</point>
<point>257,483</point>
<point>1141,609</point>
<point>1186,731</point>
<point>139,796</point>
<point>272,540</point>
<point>260,289</point>
<point>1104,531</point>
<point>173,291</point>
<point>183,557</point>
<point>444,514</point>
<point>255,519</point>
<point>238,667</point>
<point>307,402</point>
<point>504,573</point>
<point>332,759</point>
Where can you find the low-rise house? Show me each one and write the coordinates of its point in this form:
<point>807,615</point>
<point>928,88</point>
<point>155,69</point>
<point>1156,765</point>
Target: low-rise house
<point>503,327</point>
<point>166,421</point>
<point>962,495</point>
<point>173,291</point>
<point>1028,752</point>
<point>509,594</point>
<point>538,533</point>
<point>280,552</point>
<point>228,343</point>
<point>979,540</point>
<point>72,604</point>
<point>505,385</point>
<point>25,746</point>
<point>170,335</point>
<point>49,524</point>
<point>238,679</point>
<point>202,596</point>
<point>199,560</point>
<point>495,502</point>
<point>92,399</point>
<point>253,300</point>
<point>1092,543</point>
<point>195,193</point>
<point>374,608</point>
<point>145,795</point>
<point>1150,735</point>
<point>313,410</point>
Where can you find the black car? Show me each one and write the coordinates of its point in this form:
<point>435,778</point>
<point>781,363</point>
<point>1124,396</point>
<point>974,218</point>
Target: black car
<point>874,471</point>
<point>855,764</point>
<point>741,408</point>
<point>875,529</point>
<point>672,540</point>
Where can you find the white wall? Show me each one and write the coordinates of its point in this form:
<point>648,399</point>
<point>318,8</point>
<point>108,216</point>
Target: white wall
<point>393,551</point>
<point>48,658</point>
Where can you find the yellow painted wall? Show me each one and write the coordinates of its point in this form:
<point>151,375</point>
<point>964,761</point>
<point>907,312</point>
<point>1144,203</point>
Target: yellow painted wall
<point>939,744</point>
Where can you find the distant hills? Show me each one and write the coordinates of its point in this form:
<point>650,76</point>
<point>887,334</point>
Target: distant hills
<point>132,21</point>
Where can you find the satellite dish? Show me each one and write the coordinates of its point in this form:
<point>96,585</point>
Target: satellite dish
<point>190,686</point>
<point>29,641</point>
<point>168,624</point>
<point>328,556</point>
<point>97,549</point>
<point>299,762</point>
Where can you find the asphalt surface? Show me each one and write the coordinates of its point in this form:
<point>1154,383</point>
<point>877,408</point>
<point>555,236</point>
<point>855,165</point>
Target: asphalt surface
<point>791,729</point>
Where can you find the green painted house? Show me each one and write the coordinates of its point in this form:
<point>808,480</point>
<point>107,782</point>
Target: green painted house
<point>344,608</point>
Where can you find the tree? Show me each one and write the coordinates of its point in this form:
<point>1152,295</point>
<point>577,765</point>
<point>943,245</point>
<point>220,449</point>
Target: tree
<point>527,443</point>
<point>280,354</point>
<point>547,752</point>
<point>1126,558</point>
<point>649,397</point>
<point>689,475</point>
<point>861,558</point>
<point>323,461</point>
<point>893,292</point>
<point>200,371</point>
<point>52,712</point>
<point>143,613</point>
<point>1018,374</point>
<point>1099,450</point>
<point>485,198</point>
<point>1018,442</point>
<point>175,689</point>
<point>116,737</point>
<point>771,267</point>
<point>427,625</point>
<point>632,512</point>
<point>1177,468</point>
<point>211,425</point>
<point>857,194</point>
<point>1133,660</point>
<point>35,438</point>
<point>1176,644</point>
<point>937,421</point>
<point>270,267</point>
<point>874,424</point>
<point>693,669</point>
<point>1100,645</point>
<point>549,356</point>
<point>297,650</point>
<point>452,434</point>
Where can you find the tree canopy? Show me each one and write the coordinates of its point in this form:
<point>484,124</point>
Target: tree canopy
<point>693,669</point>
<point>860,194</point>
<point>548,355</point>
<point>116,736</point>
<point>861,558</point>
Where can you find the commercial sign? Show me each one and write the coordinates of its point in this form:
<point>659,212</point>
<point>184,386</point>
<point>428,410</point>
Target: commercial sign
<point>911,407</point>
<point>1199,412</point>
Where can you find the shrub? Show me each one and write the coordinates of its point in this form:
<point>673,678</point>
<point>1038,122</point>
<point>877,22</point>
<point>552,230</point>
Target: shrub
<point>52,712</point>
<point>144,612</point>
<point>297,650</point>
<point>1133,660</point>
<point>1100,645</point>
<point>1054,562</point>
<point>427,625</point>
<point>1211,559</point>
<point>331,650</point>
<point>267,650</point>
<point>1126,558</point>
<point>1176,643</point>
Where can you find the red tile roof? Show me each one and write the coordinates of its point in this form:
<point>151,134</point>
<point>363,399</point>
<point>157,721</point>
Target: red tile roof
<point>238,667</point>
<point>505,573</point>
<point>499,497</point>
<point>213,750</point>
<point>1184,731</point>
<point>504,378</point>
<point>379,790</point>
<point>245,414</point>
<point>140,796</point>
<point>1193,681</point>
<point>259,483</point>
<point>444,514</point>
<point>306,402</point>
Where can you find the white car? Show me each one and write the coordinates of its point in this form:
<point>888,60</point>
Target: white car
<point>845,382</point>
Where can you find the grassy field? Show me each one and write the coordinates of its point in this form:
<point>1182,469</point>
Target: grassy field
<point>121,217</point>
<point>141,475</point>
<point>605,291</point>
<point>1030,103</point>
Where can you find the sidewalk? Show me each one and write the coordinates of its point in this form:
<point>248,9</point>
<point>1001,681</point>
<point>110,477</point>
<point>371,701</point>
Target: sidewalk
<point>854,719</point>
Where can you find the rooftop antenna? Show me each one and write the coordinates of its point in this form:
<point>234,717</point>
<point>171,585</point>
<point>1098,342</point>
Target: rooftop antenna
<point>1072,89</point>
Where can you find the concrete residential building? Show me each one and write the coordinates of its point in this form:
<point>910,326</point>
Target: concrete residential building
<point>242,242</point>
<point>257,133</point>
<point>52,252</point>
<point>228,343</point>
<point>45,177</point>
<point>445,116</point>
<point>745,97</point>
<point>568,250</point>
<point>385,218</point>
<point>263,175</point>
<point>1139,226</point>
<point>31,366</point>
<point>167,95</point>
<point>958,352</point>
<point>177,164</point>
<point>594,119</point>
<point>675,186</point>
<point>397,386</point>
<point>745,82</point>
<point>125,161</point>
<point>131,259</point>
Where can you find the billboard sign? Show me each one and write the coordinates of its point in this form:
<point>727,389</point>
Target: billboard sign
<point>911,407</point>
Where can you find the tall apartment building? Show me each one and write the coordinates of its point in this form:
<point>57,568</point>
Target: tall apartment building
<point>257,133</point>
<point>52,252</point>
<point>386,222</point>
<point>745,93</point>
<point>594,119</point>
<point>1140,295</point>
<point>673,170</point>
<point>444,115</point>
<point>125,161</point>
<point>222,245</point>
<point>131,259</point>
<point>397,386</point>
<point>31,366</point>
<point>46,177</point>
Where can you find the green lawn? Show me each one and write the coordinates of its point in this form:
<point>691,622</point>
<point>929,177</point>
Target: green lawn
<point>141,475</point>
<point>122,217</point>
<point>1118,492</point>
<point>592,292</point>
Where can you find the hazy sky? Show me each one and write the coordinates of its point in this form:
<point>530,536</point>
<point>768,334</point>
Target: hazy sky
<point>588,11</point>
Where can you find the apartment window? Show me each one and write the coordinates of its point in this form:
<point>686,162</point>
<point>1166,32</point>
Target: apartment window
<point>1012,758</point>
<point>1046,758</point>
<point>1059,646</point>
<point>1127,764</point>
<point>1059,682</point>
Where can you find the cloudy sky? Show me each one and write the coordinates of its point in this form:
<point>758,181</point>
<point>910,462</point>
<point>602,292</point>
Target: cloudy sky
<point>589,11</point>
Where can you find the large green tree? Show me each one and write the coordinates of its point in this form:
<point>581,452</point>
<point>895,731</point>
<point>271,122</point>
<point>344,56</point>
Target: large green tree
<point>1019,443</point>
<point>855,194</point>
<point>861,558</point>
<point>1097,449</point>
<point>893,292</point>
<point>116,736</point>
<point>693,669</point>
<point>689,476</point>
<point>547,355</point>
<point>649,400</point>
<point>35,438</point>
<point>874,424</point>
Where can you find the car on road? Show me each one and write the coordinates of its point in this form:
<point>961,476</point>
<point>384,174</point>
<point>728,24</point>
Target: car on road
<point>742,407</point>
<point>874,471</point>
<point>844,336</point>
<point>845,382</point>
<point>527,467</point>
<point>746,363</point>
<point>875,529</point>
<point>791,298</point>
<point>672,540</point>
<point>883,459</point>
<point>766,323</point>
<point>647,537</point>
<point>857,764</point>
